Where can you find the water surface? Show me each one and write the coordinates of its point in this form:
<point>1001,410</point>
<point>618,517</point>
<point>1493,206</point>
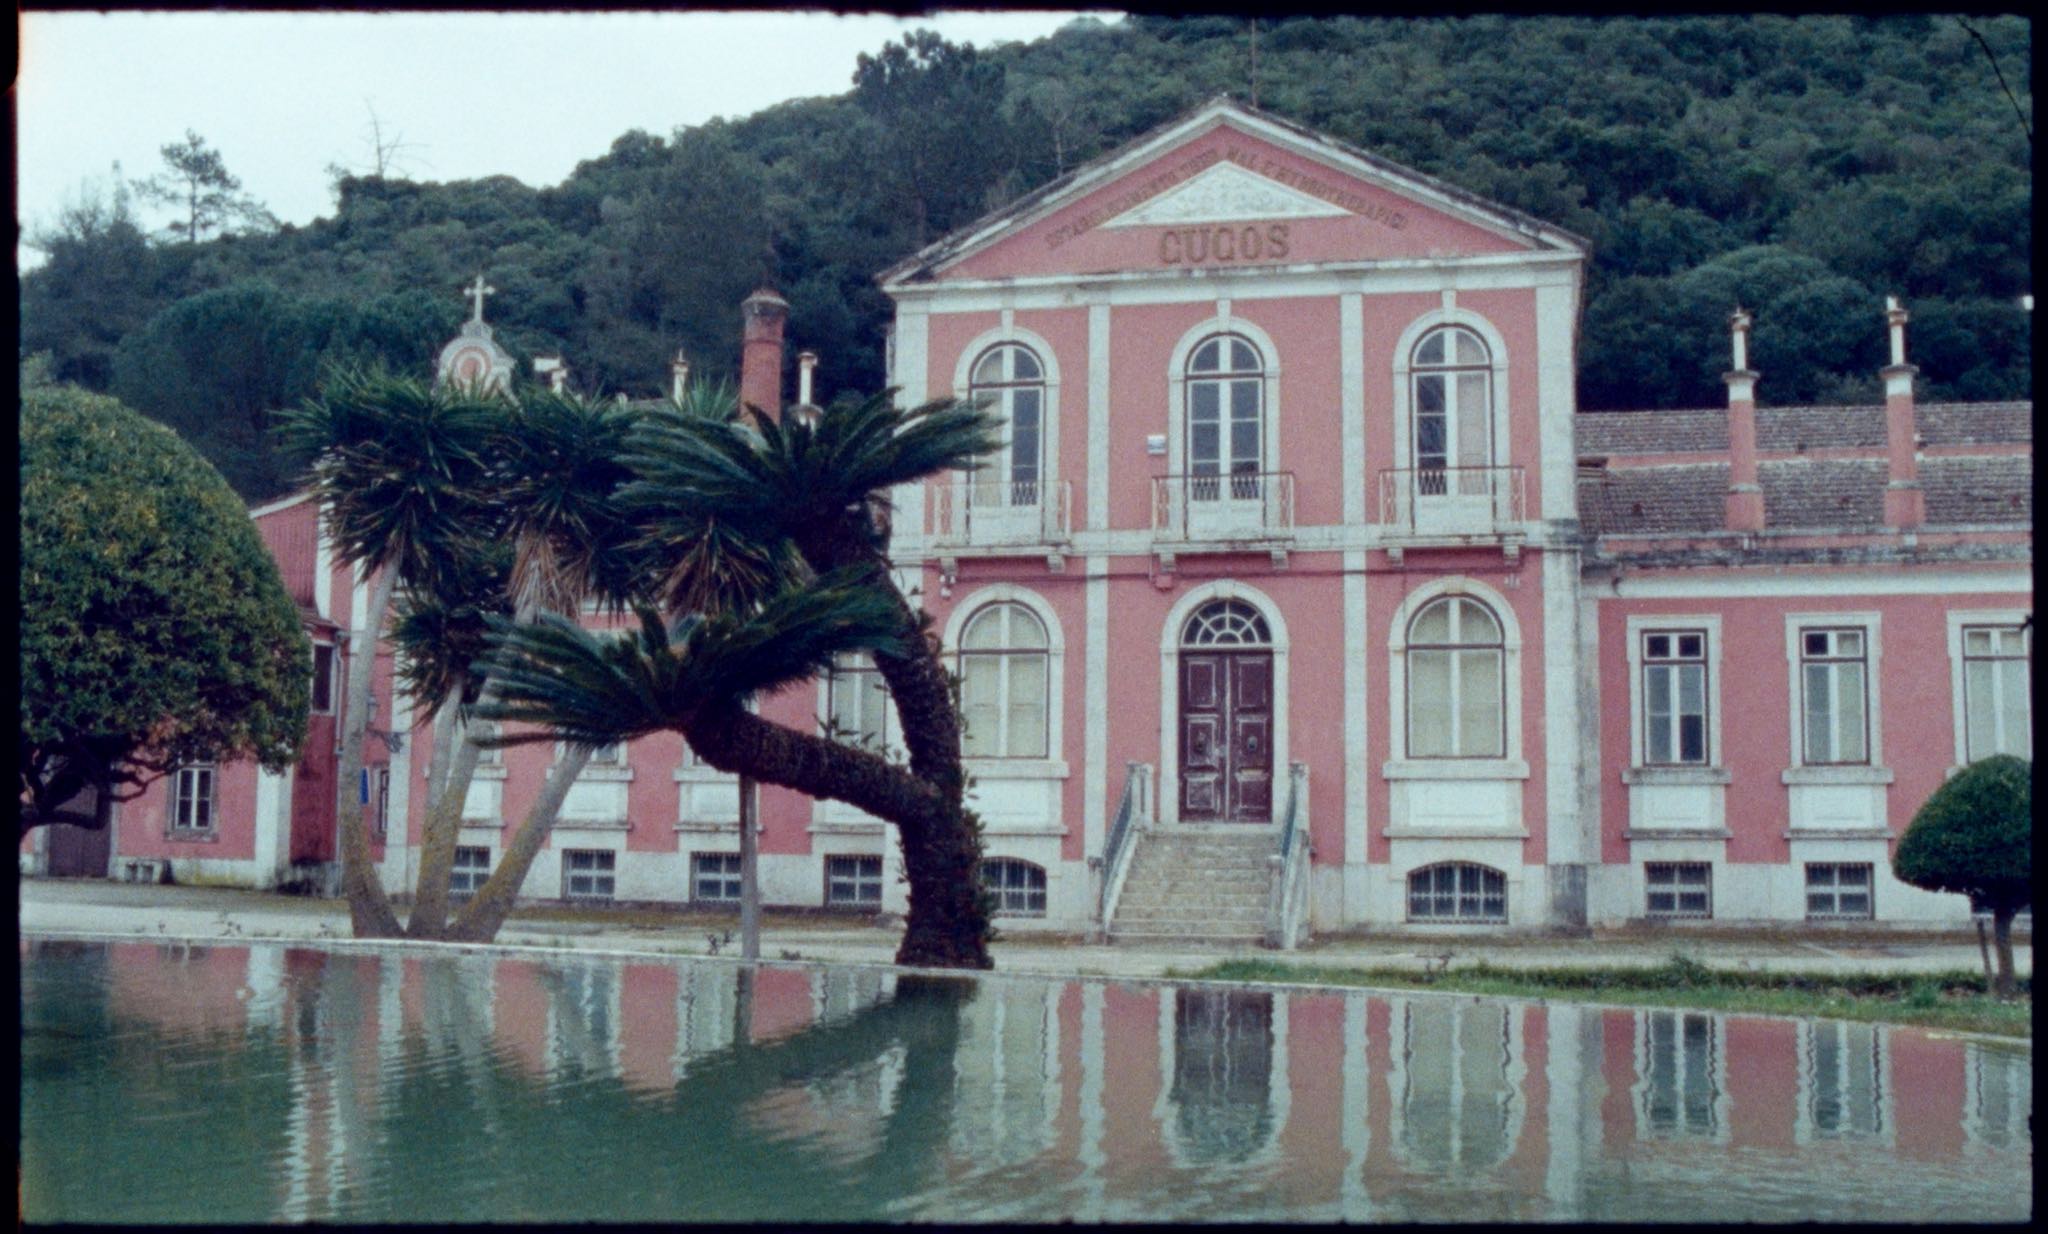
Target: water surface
<point>194,1083</point>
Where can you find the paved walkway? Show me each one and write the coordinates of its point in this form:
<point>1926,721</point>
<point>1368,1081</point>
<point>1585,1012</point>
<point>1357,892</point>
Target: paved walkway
<point>67,906</point>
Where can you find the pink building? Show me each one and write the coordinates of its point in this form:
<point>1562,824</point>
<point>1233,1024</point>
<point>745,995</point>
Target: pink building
<point>1301,596</point>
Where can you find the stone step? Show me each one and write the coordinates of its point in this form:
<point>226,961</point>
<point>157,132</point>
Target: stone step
<point>1181,938</point>
<point>1203,897</point>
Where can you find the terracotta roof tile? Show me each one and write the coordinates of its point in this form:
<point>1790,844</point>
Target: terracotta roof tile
<point>1979,490</point>
<point>1815,493</point>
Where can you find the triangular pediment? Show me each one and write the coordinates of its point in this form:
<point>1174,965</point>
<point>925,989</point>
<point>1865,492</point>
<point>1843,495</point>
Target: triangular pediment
<point>1286,195</point>
<point>1226,193</point>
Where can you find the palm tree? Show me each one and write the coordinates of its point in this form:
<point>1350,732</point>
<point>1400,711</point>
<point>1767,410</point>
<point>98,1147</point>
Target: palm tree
<point>554,470</point>
<point>804,504</point>
<point>398,468</point>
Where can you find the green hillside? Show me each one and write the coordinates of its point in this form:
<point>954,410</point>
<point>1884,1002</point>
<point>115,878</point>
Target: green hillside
<point>1806,167</point>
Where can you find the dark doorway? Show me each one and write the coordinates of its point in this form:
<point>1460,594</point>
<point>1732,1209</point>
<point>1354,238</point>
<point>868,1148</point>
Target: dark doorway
<point>78,852</point>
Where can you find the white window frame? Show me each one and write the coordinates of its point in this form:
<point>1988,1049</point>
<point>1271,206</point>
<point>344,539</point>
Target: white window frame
<point>1177,388</point>
<point>1054,763</point>
<point>1399,763</point>
<point>1049,411</point>
<point>1806,885</point>
<point>1958,621</point>
<point>1872,768</point>
<point>1456,649</point>
<point>722,875</point>
<point>1639,625</point>
<point>891,744</point>
<point>1004,891</point>
<point>857,878</point>
<point>1458,894</point>
<point>181,796</point>
<point>472,875</point>
<point>1498,443</point>
<point>569,873</point>
<point>1676,888</point>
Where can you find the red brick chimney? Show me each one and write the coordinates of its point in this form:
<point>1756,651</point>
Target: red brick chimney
<point>1905,503</point>
<point>1745,501</point>
<point>763,315</point>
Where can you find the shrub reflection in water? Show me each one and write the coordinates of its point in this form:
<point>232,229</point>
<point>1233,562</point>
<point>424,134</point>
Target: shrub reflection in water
<point>262,1083</point>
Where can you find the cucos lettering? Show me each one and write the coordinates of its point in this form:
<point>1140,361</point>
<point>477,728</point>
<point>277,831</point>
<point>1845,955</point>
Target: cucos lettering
<point>1195,245</point>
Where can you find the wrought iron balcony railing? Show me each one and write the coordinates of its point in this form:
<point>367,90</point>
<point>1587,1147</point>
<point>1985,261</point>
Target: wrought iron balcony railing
<point>1451,501</point>
<point>987,513</point>
<point>1246,505</point>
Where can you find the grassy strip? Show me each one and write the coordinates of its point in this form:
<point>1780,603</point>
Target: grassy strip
<point>1951,1000</point>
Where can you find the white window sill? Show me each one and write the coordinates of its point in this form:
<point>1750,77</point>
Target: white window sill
<point>1675,775</point>
<point>1455,769</point>
<point>1015,768</point>
<point>1455,831</point>
<point>1639,834</point>
<point>1837,775</point>
<point>705,826</point>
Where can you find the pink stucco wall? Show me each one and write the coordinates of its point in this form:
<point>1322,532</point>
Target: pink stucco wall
<point>1380,225</point>
<point>1914,700</point>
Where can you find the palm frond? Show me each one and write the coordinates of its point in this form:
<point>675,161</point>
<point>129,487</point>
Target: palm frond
<point>594,688</point>
<point>556,471</point>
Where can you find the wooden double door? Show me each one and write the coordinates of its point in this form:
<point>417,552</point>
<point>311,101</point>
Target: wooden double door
<point>1226,736</point>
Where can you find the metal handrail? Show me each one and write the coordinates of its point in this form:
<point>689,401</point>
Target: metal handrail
<point>969,512</point>
<point>1401,488</point>
<point>1130,811</point>
<point>1290,865</point>
<point>1178,501</point>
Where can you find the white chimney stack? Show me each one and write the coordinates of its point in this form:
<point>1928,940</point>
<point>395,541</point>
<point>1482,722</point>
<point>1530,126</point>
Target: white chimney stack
<point>679,375</point>
<point>805,362</point>
<point>1897,317</point>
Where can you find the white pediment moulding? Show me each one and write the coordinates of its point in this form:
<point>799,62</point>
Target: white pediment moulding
<point>1226,193</point>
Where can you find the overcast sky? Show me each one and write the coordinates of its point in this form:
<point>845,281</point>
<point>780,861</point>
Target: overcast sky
<point>529,95</point>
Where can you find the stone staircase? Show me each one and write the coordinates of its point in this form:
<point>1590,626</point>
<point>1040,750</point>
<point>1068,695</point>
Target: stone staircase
<point>1187,886</point>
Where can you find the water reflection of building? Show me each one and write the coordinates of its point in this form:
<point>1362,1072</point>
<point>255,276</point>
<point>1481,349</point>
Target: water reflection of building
<point>1845,1083</point>
<point>1457,1071</point>
<point>1101,1101</point>
<point>1679,1091</point>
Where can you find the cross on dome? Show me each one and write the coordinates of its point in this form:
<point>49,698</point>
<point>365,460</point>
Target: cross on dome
<point>477,291</point>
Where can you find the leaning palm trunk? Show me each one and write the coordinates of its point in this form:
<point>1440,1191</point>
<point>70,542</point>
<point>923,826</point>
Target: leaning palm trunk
<point>444,751</point>
<point>947,925</point>
<point>369,908</point>
<point>480,920</point>
<point>438,840</point>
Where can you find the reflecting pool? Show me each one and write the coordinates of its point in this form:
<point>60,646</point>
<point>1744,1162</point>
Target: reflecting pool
<point>198,1083</point>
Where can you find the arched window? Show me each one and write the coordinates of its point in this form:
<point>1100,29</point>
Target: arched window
<point>1453,412</point>
<point>1457,891</point>
<point>1004,672</point>
<point>1226,418</point>
<point>1456,700</point>
<point>1018,886</point>
<point>1226,623</point>
<point>1012,381</point>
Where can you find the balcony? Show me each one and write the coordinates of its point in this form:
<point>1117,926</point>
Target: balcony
<point>1448,507</point>
<point>999,518</point>
<point>1244,512</point>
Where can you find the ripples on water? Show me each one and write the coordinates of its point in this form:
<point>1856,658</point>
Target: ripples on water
<point>167,1082</point>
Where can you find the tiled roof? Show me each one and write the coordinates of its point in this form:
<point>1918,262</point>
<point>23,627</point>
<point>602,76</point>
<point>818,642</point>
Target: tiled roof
<point>1810,493</point>
<point>1996,489</point>
<point>1793,428</point>
<point>1654,500</point>
<point>1803,495</point>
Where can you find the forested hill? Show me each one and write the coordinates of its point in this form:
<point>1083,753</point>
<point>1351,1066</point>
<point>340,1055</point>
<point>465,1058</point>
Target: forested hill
<point>1805,167</point>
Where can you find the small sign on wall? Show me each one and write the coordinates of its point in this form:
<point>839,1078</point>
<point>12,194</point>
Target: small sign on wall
<point>1155,443</point>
